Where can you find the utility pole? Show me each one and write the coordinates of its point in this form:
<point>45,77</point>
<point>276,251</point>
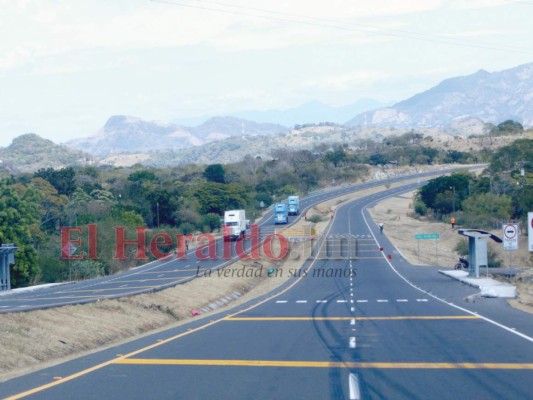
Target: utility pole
<point>453,200</point>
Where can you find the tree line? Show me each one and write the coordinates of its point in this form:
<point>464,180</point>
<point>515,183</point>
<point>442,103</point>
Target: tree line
<point>503,192</point>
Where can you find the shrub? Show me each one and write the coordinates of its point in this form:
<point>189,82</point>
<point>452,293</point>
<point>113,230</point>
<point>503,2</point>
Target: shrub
<point>315,218</point>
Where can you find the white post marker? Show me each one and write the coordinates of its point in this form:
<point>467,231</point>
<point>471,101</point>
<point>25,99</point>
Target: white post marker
<point>530,230</point>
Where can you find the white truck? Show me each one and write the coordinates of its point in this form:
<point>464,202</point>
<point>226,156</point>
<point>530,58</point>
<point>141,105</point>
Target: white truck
<point>234,226</point>
<point>294,205</point>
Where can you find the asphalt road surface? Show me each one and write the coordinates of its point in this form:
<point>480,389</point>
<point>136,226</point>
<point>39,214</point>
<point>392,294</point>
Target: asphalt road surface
<point>360,324</point>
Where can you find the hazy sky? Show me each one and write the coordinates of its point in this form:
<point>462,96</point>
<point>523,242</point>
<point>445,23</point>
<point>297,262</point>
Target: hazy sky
<point>67,65</point>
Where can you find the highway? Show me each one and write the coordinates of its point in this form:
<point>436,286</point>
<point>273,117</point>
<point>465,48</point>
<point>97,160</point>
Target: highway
<point>375,328</point>
<point>162,273</point>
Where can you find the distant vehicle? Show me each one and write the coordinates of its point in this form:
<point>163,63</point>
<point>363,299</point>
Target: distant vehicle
<point>294,205</point>
<point>281,214</point>
<point>234,226</point>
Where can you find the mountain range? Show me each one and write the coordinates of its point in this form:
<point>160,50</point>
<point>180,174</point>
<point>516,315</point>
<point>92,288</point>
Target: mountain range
<point>312,112</point>
<point>456,106</point>
<point>462,102</point>
<point>125,134</point>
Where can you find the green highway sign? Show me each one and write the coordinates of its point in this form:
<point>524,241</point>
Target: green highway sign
<point>427,236</point>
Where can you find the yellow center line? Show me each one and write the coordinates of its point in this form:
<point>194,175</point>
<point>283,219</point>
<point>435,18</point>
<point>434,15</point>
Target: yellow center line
<point>326,364</point>
<point>391,318</point>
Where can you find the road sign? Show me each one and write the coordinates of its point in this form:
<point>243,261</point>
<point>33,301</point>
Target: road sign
<point>510,237</point>
<point>419,236</point>
<point>530,230</point>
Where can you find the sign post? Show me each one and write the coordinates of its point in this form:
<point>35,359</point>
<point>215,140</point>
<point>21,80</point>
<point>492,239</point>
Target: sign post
<point>425,236</point>
<point>510,239</point>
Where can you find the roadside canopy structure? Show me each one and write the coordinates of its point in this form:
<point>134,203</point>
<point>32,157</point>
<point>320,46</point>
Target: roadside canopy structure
<point>477,249</point>
<point>7,258</point>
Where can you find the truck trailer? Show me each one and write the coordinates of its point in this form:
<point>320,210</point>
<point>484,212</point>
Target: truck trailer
<point>234,226</point>
<point>294,205</point>
<point>281,214</point>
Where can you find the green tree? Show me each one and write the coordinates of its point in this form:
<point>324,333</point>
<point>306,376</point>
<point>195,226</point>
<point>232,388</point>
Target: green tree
<point>337,156</point>
<point>18,218</point>
<point>215,173</point>
<point>143,176</point>
<point>485,209</point>
<point>443,192</point>
<point>508,127</point>
<point>216,197</point>
<point>211,221</point>
<point>51,204</point>
<point>506,157</point>
<point>62,180</point>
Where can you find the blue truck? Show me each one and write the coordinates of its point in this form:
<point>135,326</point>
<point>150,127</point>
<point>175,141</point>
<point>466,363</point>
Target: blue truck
<point>294,205</point>
<point>281,214</point>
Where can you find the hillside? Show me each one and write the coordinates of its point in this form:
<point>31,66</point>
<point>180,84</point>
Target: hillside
<point>234,149</point>
<point>30,152</point>
<point>462,103</point>
<point>124,134</point>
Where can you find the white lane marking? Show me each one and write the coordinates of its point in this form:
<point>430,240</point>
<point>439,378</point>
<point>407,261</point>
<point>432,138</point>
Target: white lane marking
<point>198,262</point>
<point>352,309</point>
<point>421,299</point>
<point>341,301</point>
<point>362,301</point>
<point>352,342</point>
<point>402,300</point>
<point>353,384</point>
<point>124,285</point>
<point>159,276</point>
<point>352,322</point>
<point>382,301</point>
<point>187,266</point>
<point>281,301</point>
<point>321,301</point>
<point>301,301</point>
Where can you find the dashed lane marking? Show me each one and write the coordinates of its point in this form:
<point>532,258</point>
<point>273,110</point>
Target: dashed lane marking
<point>353,384</point>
